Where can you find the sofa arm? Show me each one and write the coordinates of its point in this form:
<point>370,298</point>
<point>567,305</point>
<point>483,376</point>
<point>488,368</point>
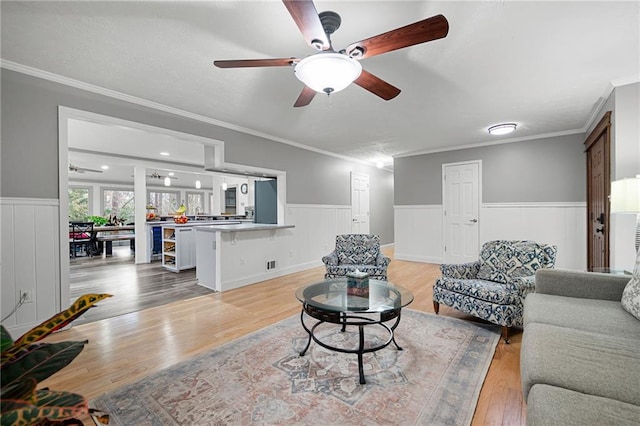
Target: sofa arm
<point>523,285</point>
<point>585,285</point>
<point>331,259</point>
<point>465,271</point>
<point>382,260</point>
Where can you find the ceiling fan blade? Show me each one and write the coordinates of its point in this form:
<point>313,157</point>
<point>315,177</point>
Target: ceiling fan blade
<point>306,17</point>
<point>246,63</point>
<point>377,86</point>
<point>305,98</point>
<point>419,32</point>
<point>84,169</point>
<point>76,169</point>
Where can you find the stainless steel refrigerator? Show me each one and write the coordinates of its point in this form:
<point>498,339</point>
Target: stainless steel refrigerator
<point>266,201</point>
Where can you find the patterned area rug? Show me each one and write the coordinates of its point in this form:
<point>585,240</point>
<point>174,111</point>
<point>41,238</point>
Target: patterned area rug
<point>261,379</point>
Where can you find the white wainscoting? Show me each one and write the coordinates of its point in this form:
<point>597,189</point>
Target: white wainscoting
<point>314,236</point>
<point>418,229</point>
<point>29,260</point>
<point>561,224</point>
<point>418,233</point>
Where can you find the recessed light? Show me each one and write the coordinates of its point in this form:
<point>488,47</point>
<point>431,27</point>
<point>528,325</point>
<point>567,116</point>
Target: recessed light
<point>171,174</point>
<point>502,129</point>
<point>166,154</point>
<point>105,167</point>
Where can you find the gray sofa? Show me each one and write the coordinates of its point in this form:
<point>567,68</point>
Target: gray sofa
<point>580,357</point>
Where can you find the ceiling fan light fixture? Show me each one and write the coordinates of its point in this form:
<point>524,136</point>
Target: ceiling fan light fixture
<point>502,129</point>
<point>327,72</point>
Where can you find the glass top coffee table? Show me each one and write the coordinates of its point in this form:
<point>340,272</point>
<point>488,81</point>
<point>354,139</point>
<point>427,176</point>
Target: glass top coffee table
<point>333,301</point>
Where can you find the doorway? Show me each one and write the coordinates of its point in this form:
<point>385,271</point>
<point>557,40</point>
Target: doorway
<point>598,150</point>
<point>461,210</point>
<point>359,203</point>
<point>127,152</point>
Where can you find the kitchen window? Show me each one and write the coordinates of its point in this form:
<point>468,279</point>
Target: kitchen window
<point>79,203</point>
<point>120,203</point>
<point>167,202</point>
<point>195,203</point>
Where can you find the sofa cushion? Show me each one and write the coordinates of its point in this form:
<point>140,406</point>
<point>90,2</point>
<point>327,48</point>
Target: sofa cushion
<point>593,315</point>
<point>551,406</point>
<point>502,261</point>
<point>591,363</point>
<point>488,291</point>
<point>631,293</point>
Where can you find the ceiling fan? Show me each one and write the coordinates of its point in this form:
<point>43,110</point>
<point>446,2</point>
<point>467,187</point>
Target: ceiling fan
<point>76,169</point>
<point>328,71</point>
<point>156,175</point>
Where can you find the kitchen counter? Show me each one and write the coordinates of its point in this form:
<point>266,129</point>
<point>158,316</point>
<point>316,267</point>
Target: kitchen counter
<point>233,255</point>
<point>193,223</point>
<point>236,226</point>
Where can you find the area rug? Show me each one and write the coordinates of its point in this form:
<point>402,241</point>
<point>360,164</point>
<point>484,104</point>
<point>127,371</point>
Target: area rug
<point>261,379</point>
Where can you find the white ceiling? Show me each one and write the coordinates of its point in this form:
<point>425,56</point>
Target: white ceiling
<point>542,65</point>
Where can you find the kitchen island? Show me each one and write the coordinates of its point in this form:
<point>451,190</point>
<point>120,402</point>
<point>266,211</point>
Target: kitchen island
<point>157,233</point>
<point>231,255</point>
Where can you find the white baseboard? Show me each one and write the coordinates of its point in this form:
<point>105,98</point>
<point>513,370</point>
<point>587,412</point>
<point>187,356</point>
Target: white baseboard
<point>256,278</point>
<point>414,258</point>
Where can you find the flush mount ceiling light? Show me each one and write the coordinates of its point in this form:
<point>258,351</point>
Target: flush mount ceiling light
<point>502,129</point>
<point>328,72</point>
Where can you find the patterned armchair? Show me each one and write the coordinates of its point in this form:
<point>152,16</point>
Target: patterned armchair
<point>494,287</point>
<point>356,251</point>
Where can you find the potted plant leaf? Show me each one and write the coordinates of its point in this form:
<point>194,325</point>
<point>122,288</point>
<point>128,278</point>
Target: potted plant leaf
<point>27,361</point>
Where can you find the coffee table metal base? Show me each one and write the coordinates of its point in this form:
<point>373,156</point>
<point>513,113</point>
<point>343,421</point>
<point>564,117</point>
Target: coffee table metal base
<point>345,320</point>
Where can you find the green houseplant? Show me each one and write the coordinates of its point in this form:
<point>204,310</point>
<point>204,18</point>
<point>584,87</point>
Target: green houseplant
<point>27,361</point>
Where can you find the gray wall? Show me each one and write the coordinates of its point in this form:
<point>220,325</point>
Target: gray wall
<point>543,170</point>
<point>29,148</point>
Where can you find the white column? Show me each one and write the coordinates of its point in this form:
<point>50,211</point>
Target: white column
<point>140,195</point>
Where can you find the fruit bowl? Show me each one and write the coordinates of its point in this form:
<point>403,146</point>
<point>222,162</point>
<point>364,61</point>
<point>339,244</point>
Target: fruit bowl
<point>181,219</point>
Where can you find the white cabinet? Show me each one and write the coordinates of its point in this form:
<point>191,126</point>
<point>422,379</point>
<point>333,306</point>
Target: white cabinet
<point>178,248</point>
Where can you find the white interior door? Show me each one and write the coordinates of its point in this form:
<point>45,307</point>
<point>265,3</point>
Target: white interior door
<point>359,203</point>
<point>461,201</point>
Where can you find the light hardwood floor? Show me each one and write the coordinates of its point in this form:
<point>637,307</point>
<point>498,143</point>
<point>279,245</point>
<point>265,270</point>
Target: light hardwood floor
<point>128,347</point>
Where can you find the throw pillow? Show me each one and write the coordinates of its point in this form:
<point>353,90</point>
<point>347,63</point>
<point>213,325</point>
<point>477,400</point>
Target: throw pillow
<point>503,261</point>
<point>631,294</point>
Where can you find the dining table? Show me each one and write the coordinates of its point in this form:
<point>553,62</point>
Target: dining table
<point>103,236</point>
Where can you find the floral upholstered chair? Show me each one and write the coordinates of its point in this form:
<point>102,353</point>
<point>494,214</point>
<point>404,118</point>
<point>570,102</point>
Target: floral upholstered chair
<point>356,251</point>
<point>494,287</point>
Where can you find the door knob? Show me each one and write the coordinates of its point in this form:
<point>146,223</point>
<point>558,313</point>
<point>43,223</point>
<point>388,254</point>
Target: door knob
<point>473,220</point>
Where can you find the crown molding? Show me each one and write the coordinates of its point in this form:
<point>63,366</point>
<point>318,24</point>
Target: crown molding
<point>56,78</point>
<point>489,143</point>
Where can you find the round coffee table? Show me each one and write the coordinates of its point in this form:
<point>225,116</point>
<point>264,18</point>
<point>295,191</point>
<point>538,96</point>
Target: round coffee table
<point>332,301</point>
